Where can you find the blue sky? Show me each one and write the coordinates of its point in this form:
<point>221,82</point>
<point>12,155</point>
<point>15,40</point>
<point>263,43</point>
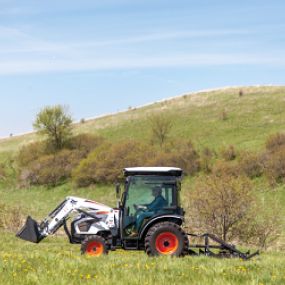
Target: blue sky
<point>104,56</point>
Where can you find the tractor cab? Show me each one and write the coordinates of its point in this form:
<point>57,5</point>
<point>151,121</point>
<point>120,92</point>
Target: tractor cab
<point>152,194</point>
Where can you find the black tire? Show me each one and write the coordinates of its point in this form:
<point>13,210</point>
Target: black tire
<point>166,238</point>
<point>94,246</point>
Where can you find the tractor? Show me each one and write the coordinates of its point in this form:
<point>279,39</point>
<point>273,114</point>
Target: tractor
<point>148,217</point>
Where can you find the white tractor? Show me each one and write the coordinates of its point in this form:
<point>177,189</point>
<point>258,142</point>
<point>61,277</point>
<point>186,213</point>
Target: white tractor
<point>149,217</point>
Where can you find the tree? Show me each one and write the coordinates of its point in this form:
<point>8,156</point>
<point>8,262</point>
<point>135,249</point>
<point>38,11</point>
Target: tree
<point>54,122</point>
<point>161,126</point>
<point>220,204</point>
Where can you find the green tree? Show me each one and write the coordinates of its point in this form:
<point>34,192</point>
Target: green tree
<point>55,123</point>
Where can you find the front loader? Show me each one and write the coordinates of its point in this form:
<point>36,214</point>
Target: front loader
<point>149,217</point>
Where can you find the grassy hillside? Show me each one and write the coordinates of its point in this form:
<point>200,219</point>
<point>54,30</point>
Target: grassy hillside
<point>214,119</point>
<point>249,119</point>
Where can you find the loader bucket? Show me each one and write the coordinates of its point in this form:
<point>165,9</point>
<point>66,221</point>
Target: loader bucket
<point>30,231</point>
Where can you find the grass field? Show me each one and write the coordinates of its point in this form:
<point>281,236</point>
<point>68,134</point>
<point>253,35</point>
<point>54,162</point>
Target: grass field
<point>54,261</point>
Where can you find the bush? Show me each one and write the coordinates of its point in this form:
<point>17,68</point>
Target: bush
<point>251,165</point>
<point>161,126</point>
<point>275,166</point>
<point>226,168</point>
<point>206,160</point>
<point>264,226</point>
<point>181,154</point>
<point>229,153</point>
<point>105,164</point>
<point>31,152</point>
<point>50,170</point>
<point>85,143</point>
<point>219,205</point>
<point>274,142</point>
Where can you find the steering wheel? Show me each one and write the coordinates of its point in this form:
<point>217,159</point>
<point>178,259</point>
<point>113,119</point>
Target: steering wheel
<point>139,209</point>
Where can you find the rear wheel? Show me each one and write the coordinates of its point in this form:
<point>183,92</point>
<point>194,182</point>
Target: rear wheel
<point>166,238</point>
<point>94,246</point>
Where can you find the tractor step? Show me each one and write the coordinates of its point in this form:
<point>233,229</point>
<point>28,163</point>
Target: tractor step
<point>226,250</point>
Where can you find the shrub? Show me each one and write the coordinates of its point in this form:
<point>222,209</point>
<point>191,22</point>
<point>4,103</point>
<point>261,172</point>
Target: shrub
<point>105,164</point>
<point>229,153</point>
<point>30,152</point>
<point>85,143</point>
<point>50,170</point>
<point>161,126</point>
<point>275,141</point>
<point>206,160</point>
<point>182,154</point>
<point>219,204</point>
<point>226,168</point>
<point>263,226</point>
<point>275,166</point>
<point>250,164</point>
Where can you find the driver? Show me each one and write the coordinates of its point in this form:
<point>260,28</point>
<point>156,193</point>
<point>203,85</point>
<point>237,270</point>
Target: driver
<point>148,210</point>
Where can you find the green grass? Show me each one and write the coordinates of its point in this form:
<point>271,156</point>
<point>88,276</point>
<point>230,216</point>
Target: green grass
<point>55,261</point>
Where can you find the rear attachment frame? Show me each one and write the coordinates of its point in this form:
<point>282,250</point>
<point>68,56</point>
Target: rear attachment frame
<point>226,250</point>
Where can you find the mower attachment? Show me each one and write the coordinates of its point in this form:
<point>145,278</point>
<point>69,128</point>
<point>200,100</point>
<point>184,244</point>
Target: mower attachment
<point>30,231</point>
<point>226,250</point>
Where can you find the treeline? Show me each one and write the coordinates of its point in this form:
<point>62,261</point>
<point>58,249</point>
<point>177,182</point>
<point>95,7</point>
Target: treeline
<point>88,159</point>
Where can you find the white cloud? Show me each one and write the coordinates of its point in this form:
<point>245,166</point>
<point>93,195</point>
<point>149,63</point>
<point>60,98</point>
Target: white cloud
<point>114,63</point>
<point>22,42</point>
<point>21,53</point>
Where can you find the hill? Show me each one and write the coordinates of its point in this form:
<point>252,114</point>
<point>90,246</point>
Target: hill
<point>209,118</point>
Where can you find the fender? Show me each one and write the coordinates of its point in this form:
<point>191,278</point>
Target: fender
<point>176,218</point>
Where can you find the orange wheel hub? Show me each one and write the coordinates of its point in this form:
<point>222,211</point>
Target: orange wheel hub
<point>166,243</point>
<point>95,248</point>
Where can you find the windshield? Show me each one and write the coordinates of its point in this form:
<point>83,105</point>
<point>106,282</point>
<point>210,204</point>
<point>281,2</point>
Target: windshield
<point>140,191</point>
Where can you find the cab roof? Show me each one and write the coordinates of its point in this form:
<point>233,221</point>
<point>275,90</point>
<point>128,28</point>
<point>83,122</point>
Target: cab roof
<point>164,171</point>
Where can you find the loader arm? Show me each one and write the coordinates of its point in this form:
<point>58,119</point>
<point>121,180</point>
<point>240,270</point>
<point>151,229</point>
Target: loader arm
<point>34,232</point>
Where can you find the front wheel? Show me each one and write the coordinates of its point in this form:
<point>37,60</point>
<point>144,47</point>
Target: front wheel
<point>94,246</point>
<point>166,238</point>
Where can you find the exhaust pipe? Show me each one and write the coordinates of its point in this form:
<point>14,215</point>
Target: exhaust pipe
<point>30,231</point>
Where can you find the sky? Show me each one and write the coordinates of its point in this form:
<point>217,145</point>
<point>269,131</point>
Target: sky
<point>104,56</point>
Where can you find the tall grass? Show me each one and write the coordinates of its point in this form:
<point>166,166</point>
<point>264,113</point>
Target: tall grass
<point>54,261</point>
